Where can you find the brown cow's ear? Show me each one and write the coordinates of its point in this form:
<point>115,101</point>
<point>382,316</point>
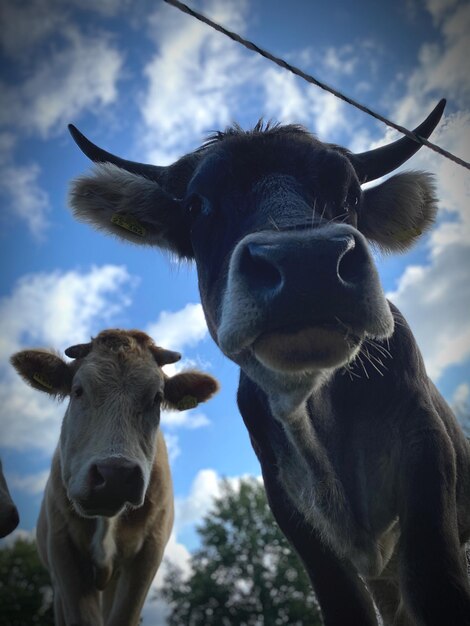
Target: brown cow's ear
<point>397,212</point>
<point>131,207</point>
<point>164,357</point>
<point>44,371</point>
<point>187,389</point>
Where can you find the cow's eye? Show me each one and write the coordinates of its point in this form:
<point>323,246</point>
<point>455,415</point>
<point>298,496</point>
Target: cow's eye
<point>351,201</point>
<point>78,392</point>
<point>158,399</point>
<point>196,205</point>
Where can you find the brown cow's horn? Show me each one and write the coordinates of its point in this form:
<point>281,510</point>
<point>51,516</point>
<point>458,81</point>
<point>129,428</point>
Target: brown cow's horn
<point>98,155</point>
<point>80,351</point>
<point>380,161</point>
<point>164,357</point>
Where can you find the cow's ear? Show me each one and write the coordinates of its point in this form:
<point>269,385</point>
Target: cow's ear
<point>397,212</point>
<point>131,207</point>
<point>44,371</point>
<point>187,389</point>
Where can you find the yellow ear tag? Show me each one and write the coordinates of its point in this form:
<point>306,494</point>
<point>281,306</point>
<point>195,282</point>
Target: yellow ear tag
<point>129,223</point>
<point>187,402</point>
<point>42,381</point>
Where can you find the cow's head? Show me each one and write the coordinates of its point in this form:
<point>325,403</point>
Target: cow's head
<point>278,225</point>
<point>116,388</point>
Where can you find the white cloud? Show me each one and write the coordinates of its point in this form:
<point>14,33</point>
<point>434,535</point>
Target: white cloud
<point>25,196</point>
<point>173,447</point>
<point>435,295</point>
<point>51,310</point>
<point>288,100</point>
<point>184,419</point>
<point>205,487</point>
<point>194,79</point>
<point>29,23</point>
<point>438,8</point>
<point>175,330</point>
<point>342,60</point>
<point>61,308</point>
<point>81,73</point>
<point>441,69</point>
<point>31,484</point>
<point>435,300</point>
<point>461,396</point>
<point>107,8</point>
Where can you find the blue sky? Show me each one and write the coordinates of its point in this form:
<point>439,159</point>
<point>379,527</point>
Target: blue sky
<point>147,82</point>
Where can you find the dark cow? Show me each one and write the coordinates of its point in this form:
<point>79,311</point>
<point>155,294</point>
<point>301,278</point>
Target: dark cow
<point>366,469</point>
<point>9,518</point>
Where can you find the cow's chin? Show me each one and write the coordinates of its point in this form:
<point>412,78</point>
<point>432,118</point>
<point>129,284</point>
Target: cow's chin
<point>307,349</point>
<point>97,511</point>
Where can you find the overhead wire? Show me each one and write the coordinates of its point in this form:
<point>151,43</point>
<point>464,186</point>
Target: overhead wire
<point>314,81</point>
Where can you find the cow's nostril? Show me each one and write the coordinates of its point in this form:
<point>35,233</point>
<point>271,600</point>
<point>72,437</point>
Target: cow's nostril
<point>351,262</point>
<point>96,477</point>
<point>258,269</point>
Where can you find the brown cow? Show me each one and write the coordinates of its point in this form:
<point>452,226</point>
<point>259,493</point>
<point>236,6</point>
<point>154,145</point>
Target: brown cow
<point>107,511</point>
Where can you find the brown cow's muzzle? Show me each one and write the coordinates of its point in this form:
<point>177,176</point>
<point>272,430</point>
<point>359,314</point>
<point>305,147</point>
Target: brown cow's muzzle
<point>111,485</point>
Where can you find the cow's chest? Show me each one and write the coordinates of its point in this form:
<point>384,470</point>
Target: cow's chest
<point>108,550</point>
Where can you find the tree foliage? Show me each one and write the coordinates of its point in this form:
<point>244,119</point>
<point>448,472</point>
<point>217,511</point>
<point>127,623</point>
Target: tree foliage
<point>245,573</point>
<point>25,588</point>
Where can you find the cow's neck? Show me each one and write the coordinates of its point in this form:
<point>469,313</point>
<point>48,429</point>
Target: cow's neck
<point>320,497</point>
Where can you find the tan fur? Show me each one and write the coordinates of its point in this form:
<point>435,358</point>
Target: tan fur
<point>398,211</point>
<point>102,563</point>
<point>67,544</point>
<point>110,190</point>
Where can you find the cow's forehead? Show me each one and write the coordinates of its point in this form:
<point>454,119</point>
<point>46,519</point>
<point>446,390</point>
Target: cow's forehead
<point>241,160</point>
<point>105,368</point>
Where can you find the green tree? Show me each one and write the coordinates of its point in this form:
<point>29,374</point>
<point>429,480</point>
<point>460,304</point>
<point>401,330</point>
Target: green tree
<point>245,573</point>
<point>25,588</point>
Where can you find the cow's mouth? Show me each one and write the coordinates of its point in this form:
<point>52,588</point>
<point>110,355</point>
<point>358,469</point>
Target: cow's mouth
<point>294,348</point>
<point>87,510</point>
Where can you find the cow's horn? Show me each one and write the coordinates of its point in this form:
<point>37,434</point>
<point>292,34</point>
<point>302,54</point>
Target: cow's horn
<point>98,155</point>
<point>380,161</point>
<point>80,351</point>
<point>164,357</point>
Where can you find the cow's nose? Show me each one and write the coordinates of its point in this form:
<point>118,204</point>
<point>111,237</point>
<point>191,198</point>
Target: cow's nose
<point>116,481</point>
<point>260,268</point>
<point>266,267</point>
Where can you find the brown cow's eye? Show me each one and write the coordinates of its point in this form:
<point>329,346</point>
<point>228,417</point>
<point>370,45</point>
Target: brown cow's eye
<point>158,398</point>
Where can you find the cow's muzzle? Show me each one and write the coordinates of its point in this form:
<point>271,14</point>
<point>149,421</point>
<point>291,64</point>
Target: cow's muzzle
<point>303,299</point>
<point>111,485</point>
